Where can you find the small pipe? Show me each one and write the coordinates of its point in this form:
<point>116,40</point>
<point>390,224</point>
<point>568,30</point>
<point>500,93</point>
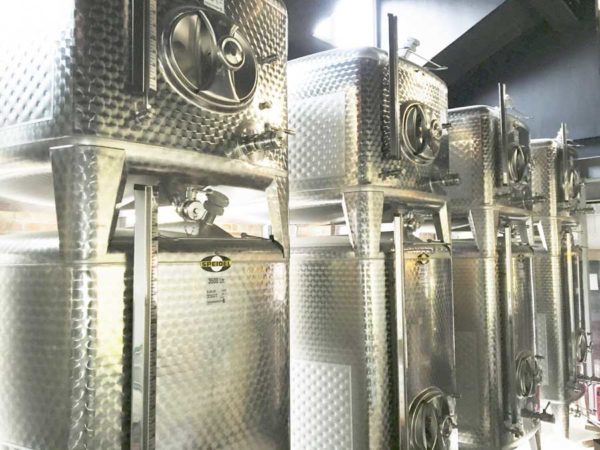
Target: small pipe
<point>570,297</point>
<point>503,137</point>
<point>400,328</point>
<point>394,107</point>
<point>543,416</point>
<point>565,158</point>
<point>511,395</point>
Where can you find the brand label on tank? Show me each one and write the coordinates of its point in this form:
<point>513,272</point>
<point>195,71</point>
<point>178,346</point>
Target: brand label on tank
<point>216,263</point>
<point>217,5</point>
<point>216,291</point>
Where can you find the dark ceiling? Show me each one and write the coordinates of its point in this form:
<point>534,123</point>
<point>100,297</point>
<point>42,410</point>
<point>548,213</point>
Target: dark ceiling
<point>511,20</point>
<point>303,16</point>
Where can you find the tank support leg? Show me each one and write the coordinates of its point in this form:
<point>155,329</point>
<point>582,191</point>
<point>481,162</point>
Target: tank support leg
<point>562,419</point>
<point>277,198</point>
<point>535,443</point>
<point>363,210</point>
<point>484,223</point>
<point>87,183</point>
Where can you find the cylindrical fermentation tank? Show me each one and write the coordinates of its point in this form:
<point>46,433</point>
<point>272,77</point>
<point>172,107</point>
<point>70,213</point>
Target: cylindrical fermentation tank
<point>142,337</point>
<point>559,268</point>
<point>371,315</point>
<point>497,370</point>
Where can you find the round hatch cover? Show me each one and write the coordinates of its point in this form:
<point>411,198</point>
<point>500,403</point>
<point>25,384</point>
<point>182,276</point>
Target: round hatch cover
<point>581,345</point>
<point>207,59</point>
<point>420,133</point>
<point>430,420</point>
<point>570,180</point>
<point>529,375</point>
<point>518,163</point>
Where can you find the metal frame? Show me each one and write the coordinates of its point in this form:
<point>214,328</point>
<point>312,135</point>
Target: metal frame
<point>144,319</point>
<point>399,349</point>
<point>394,106</point>
<point>511,392</point>
<point>504,178</point>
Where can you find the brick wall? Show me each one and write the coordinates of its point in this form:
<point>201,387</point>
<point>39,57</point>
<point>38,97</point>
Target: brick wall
<point>26,222</point>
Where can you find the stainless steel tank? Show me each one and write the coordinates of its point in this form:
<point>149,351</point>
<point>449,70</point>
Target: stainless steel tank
<point>219,344</point>
<point>491,213</point>
<point>345,381</point>
<point>149,87</point>
<point>486,357</point>
<point>559,265</point>
<point>371,315</point>
<point>177,341</point>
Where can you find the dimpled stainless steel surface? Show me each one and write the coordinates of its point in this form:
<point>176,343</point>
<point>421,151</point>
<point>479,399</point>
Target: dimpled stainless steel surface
<point>231,357</point>
<point>339,108</point>
<point>342,360</point>
<point>342,169</point>
<point>322,412</point>
<point>86,187</point>
<point>490,331</point>
<point>554,329</point>
<point>339,316</point>
<point>65,342</point>
<point>429,317</point>
<point>477,284</point>
<point>235,395</point>
<point>36,82</point>
<point>545,176</point>
<point>70,77</point>
<point>474,148</point>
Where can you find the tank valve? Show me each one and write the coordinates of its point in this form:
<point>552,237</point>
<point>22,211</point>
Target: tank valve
<point>190,208</point>
<point>544,416</point>
<point>537,199</point>
<point>251,140</point>
<point>214,206</point>
<point>503,193</point>
<point>269,59</point>
<point>450,179</point>
<point>205,214</point>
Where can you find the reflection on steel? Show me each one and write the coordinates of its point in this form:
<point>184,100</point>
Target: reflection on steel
<point>96,99</point>
<point>371,313</point>
<point>559,268</point>
<point>489,150</point>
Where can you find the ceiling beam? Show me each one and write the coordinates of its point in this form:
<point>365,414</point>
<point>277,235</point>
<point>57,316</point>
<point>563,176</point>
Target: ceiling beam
<point>499,28</point>
<point>557,13</point>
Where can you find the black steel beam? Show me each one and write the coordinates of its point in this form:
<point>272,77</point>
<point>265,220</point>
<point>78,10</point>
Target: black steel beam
<point>502,26</point>
<point>557,13</point>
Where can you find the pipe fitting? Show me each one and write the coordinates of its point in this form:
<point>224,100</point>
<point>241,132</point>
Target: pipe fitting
<point>450,179</point>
